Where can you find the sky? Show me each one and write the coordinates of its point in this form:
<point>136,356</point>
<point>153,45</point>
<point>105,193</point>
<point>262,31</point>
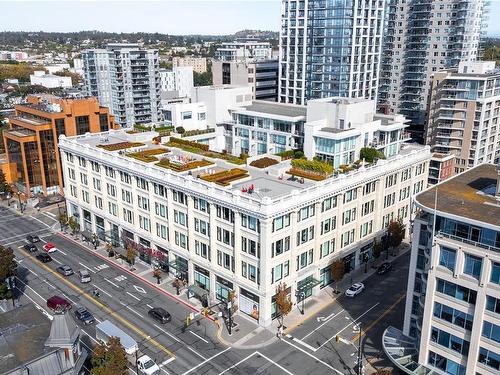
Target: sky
<point>163,16</point>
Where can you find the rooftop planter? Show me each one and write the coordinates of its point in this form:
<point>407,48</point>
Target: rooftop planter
<point>315,166</point>
<point>142,128</point>
<point>263,162</point>
<point>166,163</point>
<point>306,174</point>
<point>120,146</point>
<point>224,178</point>
<point>191,133</point>
<point>202,149</point>
<point>370,154</point>
<point>148,156</point>
<point>291,154</point>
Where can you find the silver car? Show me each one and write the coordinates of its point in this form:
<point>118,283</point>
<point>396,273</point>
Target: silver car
<point>84,276</point>
<point>65,270</point>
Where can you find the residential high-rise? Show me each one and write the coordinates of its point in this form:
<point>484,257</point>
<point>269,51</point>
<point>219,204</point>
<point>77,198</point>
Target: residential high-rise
<point>452,317</point>
<point>422,37</point>
<point>177,82</point>
<point>463,114</point>
<point>199,64</point>
<point>330,48</point>
<point>244,49</point>
<point>125,78</point>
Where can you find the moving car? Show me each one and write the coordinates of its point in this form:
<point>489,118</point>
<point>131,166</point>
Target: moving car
<point>65,270</point>
<point>30,247</point>
<point>106,329</point>
<point>57,303</point>
<point>355,289</point>
<point>384,268</point>
<point>49,247</point>
<point>160,314</point>
<point>32,238</point>
<point>44,258</point>
<point>147,366</point>
<point>84,315</point>
<point>84,276</point>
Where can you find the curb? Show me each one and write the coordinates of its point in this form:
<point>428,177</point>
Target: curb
<point>242,346</point>
<point>136,276</point>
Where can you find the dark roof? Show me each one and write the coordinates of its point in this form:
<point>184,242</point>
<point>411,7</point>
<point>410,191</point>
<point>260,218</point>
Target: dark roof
<point>470,195</point>
<point>289,110</point>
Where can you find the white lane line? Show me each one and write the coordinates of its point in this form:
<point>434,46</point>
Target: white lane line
<point>330,317</point>
<point>167,361</point>
<point>238,363</point>
<point>310,355</point>
<point>62,252</point>
<point>65,295</point>
<point>135,312</point>
<point>131,295</point>
<point>88,268</point>
<point>90,337</point>
<point>303,343</point>
<point>49,284</point>
<point>195,352</point>
<point>98,320</point>
<point>165,371</point>
<point>50,215</point>
<point>44,312</point>
<point>205,361</point>
<point>55,260</point>
<point>33,290</point>
<point>201,338</point>
<point>274,363</point>
<point>40,221</point>
<point>112,283</point>
<point>347,326</point>
<point>102,290</point>
<point>33,272</point>
<point>41,239</point>
<point>19,237</point>
<point>167,333</point>
<point>148,305</point>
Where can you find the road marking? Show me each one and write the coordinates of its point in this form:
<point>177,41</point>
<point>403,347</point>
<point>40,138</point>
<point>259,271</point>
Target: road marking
<point>40,221</point>
<point>49,284</point>
<point>167,333</point>
<point>165,371</point>
<point>84,266</point>
<point>102,290</point>
<point>112,283</point>
<point>205,361</point>
<point>135,312</point>
<point>42,310</point>
<point>41,239</point>
<point>201,338</point>
<point>65,295</point>
<point>274,363</point>
<point>303,343</point>
<point>101,267</point>
<point>166,362</point>
<point>148,305</point>
<point>33,272</point>
<point>140,289</point>
<point>131,295</point>
<point>310,355</point>
<point>33,290</point>
<point>90,337</point>
<point>370,326</point>
<point>62,252</point>
<point>330,317</point>
<point>195,352</point>
<point>19,237</point>
<point>121,278</point>
<point>50,215</point>
<point>55,260</point>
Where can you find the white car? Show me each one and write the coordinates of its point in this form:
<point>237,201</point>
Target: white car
<point>355,289</point>
<point>147,366</point>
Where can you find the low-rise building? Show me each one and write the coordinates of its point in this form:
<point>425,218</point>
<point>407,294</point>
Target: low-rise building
<point>199,64</point>
<point>243,49</point>
<point>32,138</point>
<point>50,81</point>
<point>441,167</point>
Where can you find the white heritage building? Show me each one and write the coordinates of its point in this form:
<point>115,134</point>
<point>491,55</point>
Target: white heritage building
<point>248,232</point>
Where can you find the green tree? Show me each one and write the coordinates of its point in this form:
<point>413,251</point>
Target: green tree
<point>165,65</point>
<point>109,359</point>
<point>377,248</point>
<point>370,154</point>
<point>395,233</point>
<point>283,302</point>
<point>7,265</point>
<point>203,79</point>
<point>4,186</point>
<point>73,224</point>
<point>63,219</point>
<point>5,293</point>
<point>131,254</point>
<point>337,270</point>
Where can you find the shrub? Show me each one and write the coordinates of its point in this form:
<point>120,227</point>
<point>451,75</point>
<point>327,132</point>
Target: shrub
<point>191,133</point>
<point>313,166</point>
<point>263,162</point>
<point>298,154</point>
<point>286,154</point>
<point>142,128</point>
<point>224,178</point>
<point>179,141</point>
<point>370,154</point>
<point>180,130</point>
<point>120,146</point>
<point>306,174</point>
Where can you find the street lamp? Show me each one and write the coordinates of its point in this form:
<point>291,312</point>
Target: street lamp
<point>357,325</point>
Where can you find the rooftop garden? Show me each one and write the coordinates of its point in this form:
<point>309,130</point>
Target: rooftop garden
<point>191,133</point>
<point>264,162</point>
<point>183,167</point>
<point>311,169</point>
<point>291,154</point>
<point>224,178</point>
<point>370,154</point>
<point>148,156</point>
<point>202,149</point>
<point>120,146</point>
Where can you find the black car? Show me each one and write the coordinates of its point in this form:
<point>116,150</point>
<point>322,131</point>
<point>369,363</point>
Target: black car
<point>30,247</point>
<point>160,314</point>
<point>84,315</point>
<point>43,257</point>
<point>384,268</point>
<point>32,238</point>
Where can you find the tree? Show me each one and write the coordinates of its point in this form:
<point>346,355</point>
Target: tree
<point>370,154</point>
<point>337,269</point>
<point>75,77</point>
<point>165,65</point>
<point>5,292</point>
<point>7,264</point>
<point>3,183</point>
<point>63,219</point>
<point>131,254</point>
<point>73,224</point>
<point>202,79</point>
<point>283,302</point>
<point>377,248</point>
<point>109,359</point>
<point>395,233</point>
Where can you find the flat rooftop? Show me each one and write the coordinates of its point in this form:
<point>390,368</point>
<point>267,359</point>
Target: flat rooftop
<point>470,195</point>
<point>279,109</point>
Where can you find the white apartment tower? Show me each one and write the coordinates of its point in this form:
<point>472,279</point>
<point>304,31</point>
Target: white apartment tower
<point>125,78</point>
<point>422,37</point>
<point>330,48</point>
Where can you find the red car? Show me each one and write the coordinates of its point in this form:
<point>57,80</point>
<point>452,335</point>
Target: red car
<point>49,247</point>
<point>57,303</point>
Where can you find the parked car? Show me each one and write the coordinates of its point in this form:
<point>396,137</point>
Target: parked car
<point>65,270</point>
<point>31,238</point>
<point>84,315</point>
<point>384,268</point>
<point>160,314</point>
<point>30,247</point>
<point>355,289</point>
<point>84,276</point>
<point>49,247</point>
<point>57,303</point>
<point>44,258</point>
<point>147,366</point>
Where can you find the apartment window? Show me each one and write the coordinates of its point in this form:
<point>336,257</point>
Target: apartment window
<point>447,365</point>
<point>96,167</point>
<point>367,207</point>
<point>202,227</point>
<point>82,124</point>
<point>495,273</point>
<point>348,216</point>
<point>161,231</point>
<point>366,229</point>
<point>202,249</point>
<point>304,259</point>
<point>128,216</point>
<point>227,261</point>
<point>98,202</point>
<point>201,205</point>
<point>71,173</point>
<point>179,197</point>
<point>142,183</point>
<point>406,174</point>
<point>187,115</point>
<point>250,222</point>
<point>250,247</point>
<point>329,203</point>
<point>111,190</point>
<point>97,183</point>
<point>69,157</point>
<point>144,223</point>
<point>125,178</point>
<point>489,358</point>
<point>113,208</point>
<point>305,213</point>
<point>225,213</point>
<point>328,225</point>
<point>180,218</point>
<point>404,193</point>
<point>456,291</point>
<point>110,172</point>
<point>83,178</point>
<point>73,191</point>
<point>447,258</point>
<point>280,271</point>
<point>472,266</point>
<point>491,331</point>
<point>160,190</point>
<point>225,236</point>
<point>85,196</point>
<point>305,235</point>
<point>493,304</point>
<point>281,222</point>
<point>391,180</point>
<point>369,187</point>
<point>453,316</point>
<point>327,248</point>
<point>160,210</point>
<point>143,202</point>
<point>350,195</point>
<point>389,200</point>
<point>127,196</point>
<point>82,162</point>
<point>347,238</point>
<point>449,341</point>
<point>280,246</point>
<point>419,169</point>
<point>181,240</point>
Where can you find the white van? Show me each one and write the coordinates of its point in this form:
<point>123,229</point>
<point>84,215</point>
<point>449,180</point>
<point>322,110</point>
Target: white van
<point>106,329</point>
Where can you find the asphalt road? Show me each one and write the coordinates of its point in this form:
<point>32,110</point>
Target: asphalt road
<point>125,300</point>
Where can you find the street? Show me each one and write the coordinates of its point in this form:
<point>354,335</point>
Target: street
<point>309,348</point>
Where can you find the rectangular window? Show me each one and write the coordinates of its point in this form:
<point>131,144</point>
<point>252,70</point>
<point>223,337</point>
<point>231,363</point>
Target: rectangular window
<point>113,209</point>
<point>305,259</point>
<point>369,187</point>
<point>143,202</point>
<point>181,240</point>
<point>280,246</point>
<point>161,231</point>
<point>111,189</point>
<point>225,213</point>
<point>391,180</point>
<point>98,202</point>
<point>201,205</point>
<point>389,200</point>
<point>97,184</point>
<point>127,196</point>
<point>348,216</point>
<point>202,249</point>
<point>180,218</point>
<point>160,210</point>
<point>447,365</point>
<point>347,238</point>
<point>495,273</point>
<point>491,331</point>
<point>225,236</point>
<point>456,291</point>
<point>350,195</point>
<point>449,341</point>
<point>472,266</point>
<point>280,271</point>
<point>328,225</point>
<point>86,196</point>
<point>305,213</point>
<point>128,216</point>
<point>141,183</point>
<point>281,222</point>
<point>493,304</point>
<point>250,247</point>
<point>489,358</point>
<point>453,316</point>
<point>83,178</point>
<point>447,258</point>
<point>366,229</point>
<point>125,178</point>
<point>305,235</point>
<point>110,172</point>
<point>329,203</point>
<point>202,227</point>
<point>144,223</point>
<point>327,248</point>
<point>368,207</point>
<point>250,222</point>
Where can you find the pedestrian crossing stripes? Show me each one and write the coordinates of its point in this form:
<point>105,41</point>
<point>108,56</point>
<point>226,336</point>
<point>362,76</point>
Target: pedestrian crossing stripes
<point>121,278</point>
<point>101,267</point>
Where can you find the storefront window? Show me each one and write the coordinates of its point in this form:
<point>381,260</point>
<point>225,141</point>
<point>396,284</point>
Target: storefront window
<point>249,303</point>
<point>202,277</point>
<point>325,277</point>
<point>222,288</point>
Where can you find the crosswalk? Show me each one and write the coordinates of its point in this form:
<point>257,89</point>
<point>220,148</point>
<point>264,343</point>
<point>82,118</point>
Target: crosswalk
<point>101,267</point>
